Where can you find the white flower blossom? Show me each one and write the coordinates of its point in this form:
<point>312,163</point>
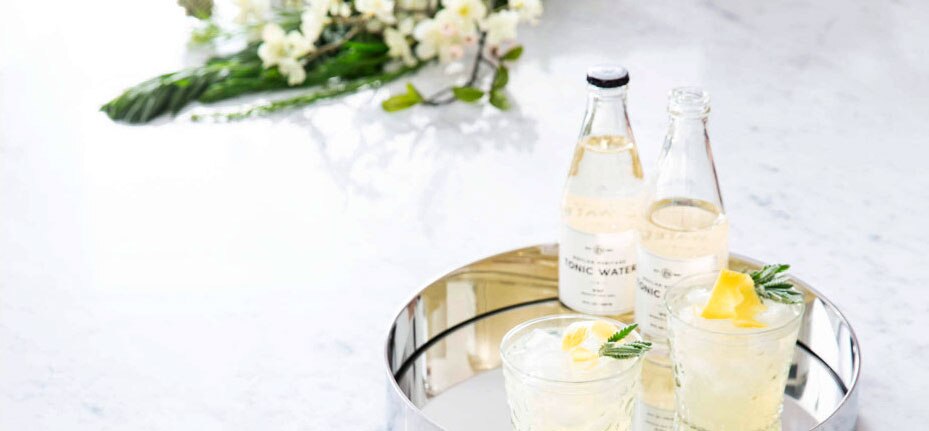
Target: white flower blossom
<point>298,45</point>
<point>429,37</point>
<point>374,26</point>
<point>466,10</point>
<point>406,25</point>
<point>444,36</point>
<point>273,47</point>
<point>500,27</point>
<point>318,7</point>
<point>332,7</point>
<point>286,51</point>
<point>341,9</point>
<point>529,10</point>
<point>380,9</point>
<point>398,46</point>
<point>252,11</point>
<point>312,24</point>
<point>293,70</point>
<point>451,53</point>
<point>455,29</point>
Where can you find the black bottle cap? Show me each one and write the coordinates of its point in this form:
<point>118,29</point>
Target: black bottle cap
<point>607,76</point>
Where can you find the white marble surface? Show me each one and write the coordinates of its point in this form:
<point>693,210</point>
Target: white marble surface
<point>241,277</point>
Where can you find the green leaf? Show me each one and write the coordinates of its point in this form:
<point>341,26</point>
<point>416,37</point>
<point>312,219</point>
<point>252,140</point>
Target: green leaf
<point>513,54</point>
<point>200,9</point>
<point>205,34</point>
<point>771,283</point>
<point>400,102</point>
<point>619,335</point>
<point>467,94</point>
<point>367,47</point>
<point>329,91</point>
<point>768,272</point>
<point>633,349</point>
<point>501,78</point>
<point>629,350</point>
<point>783,296</point>
<point>413,92</point>
<point>228,76</point>
<point>499,100</point>
<point>166,93</point>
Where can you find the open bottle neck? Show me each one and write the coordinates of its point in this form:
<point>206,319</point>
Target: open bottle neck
<point>606,113</point>
<point>687,131</point>
<point>686,169</point>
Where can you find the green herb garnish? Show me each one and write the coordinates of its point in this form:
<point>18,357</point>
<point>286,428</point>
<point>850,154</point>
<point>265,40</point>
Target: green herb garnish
<point>771,283</point>
<point>619,335</point>
<point>629,350</point>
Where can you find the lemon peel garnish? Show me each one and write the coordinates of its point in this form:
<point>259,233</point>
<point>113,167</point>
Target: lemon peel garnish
<point>603,329</point>
<point>574,335</point>
<point>582,354</point>
<point>734,297</point>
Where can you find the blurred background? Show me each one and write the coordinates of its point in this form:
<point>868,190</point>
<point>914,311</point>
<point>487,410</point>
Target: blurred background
<point>183,275</point>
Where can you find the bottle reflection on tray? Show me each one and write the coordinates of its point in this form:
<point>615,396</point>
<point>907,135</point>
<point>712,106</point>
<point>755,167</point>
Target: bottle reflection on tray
<point>484,289</point>
<point>655,409</point>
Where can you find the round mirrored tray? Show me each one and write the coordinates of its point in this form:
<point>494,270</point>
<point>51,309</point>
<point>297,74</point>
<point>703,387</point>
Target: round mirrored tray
<point>443,361</point>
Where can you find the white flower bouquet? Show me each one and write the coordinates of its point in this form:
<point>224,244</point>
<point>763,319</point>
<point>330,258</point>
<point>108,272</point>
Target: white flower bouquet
<point>337,47</point>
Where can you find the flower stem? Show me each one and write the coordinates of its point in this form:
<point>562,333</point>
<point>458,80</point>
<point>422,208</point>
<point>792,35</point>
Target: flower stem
<point>444,96</point>
<point>332,46</point>
<point>477,61</point>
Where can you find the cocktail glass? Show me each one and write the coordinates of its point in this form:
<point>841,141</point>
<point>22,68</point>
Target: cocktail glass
<point>728,378</point>
<point>547,392</point>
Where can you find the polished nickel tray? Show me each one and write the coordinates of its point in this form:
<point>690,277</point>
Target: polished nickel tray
<point>443,360</point>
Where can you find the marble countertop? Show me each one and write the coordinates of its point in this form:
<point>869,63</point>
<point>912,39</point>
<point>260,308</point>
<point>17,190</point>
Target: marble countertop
<point>242,276</point>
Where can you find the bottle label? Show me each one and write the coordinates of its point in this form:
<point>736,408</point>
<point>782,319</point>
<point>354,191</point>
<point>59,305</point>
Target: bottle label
<point>657,274</point>
<point>596,272</point>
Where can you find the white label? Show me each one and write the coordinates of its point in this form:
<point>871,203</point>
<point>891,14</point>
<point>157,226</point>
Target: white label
<point>596,272</point>
<point>656,275</point>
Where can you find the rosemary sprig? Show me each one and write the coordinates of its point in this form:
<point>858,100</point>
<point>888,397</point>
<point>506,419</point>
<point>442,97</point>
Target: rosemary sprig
<point>632,349</point>
<point>629,350</point>
<point>771,283</point>
<point>623,333</point>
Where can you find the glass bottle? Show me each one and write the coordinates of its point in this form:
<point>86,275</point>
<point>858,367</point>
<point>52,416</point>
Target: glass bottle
<point>597,256</point>
<point>684,230</point>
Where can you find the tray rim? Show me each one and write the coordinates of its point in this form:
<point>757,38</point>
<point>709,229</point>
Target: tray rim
<point>394,388</point>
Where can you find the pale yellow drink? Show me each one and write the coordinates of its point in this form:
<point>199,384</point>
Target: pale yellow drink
<point>550,390</point>
<point>729,378</point>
